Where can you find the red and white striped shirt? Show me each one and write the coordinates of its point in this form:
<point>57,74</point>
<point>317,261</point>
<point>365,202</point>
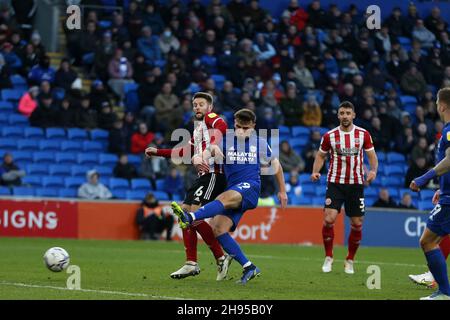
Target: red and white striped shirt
<point>346,149</point>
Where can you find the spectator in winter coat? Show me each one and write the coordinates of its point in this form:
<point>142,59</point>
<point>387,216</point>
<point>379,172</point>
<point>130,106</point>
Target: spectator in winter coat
<point>10,173</point>
<point>44,115</point>
<point>42,71</point>
<point>28,102</point>
<point>124,169</point>
<point>141,139</point>
<point>93,189</point>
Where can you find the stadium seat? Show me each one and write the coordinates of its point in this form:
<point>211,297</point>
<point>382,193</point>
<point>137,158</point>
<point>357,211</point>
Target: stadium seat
<point>410,108</point>
<point>318,201</point>
<point>298,143</point>
<point>99,134</point>
<point>134,159</point>
<point>219,80</point>
<point>393,170</point>
<point>414,195</point>
<point>68,193</point>
<point>8,144</point>
<point>133,86</point>
<point>47,192</point>
<point>320,192</point>
<point>27,144</point>
<point>395,157</point>
<point>425,205</point>
<point>426,194</point>
<point>408,99</point>
<point>6,106</point>
<point>107,159</point>
<point>51,133</point>
<point>77,134</point>
<point>88,159</point>
<point>23,191</point>
<point>52,182</point>
<point>119,193</point>
<point>394,193</point>
<point>160,184</point>
<point>92,146</point>
<point>22,156</point>
<point>304,178</point>
<point>136,194</point>
<point>161,195</point>
<point>43,157</point>
<point>300,131</point>
<point>33,132</point>
<point>17,120</point>
<point>18,80</point>
<point>104,24</point>
<point>59,93</point>
<point>71,146</point>
<point>306,201</point>
<point>12,132</point>
<point>132,102</point>
<point>387,181</point>
<point>118,183</point>
<point>12,94</point>
<point>79,171</point>
<point>104,171</point>
<point>49,145</point>
<point>381,156</point>
<point>36,169</point>
<point>308,190</point>
<point>4,191</point>
<point>65,157</point>
<point>34,181</point>
<point>73,182</point>
<point>284,130</point>
<point>369,201</point>
<point>59,170</point>
<point>371,192</point>
<point>141,184</point>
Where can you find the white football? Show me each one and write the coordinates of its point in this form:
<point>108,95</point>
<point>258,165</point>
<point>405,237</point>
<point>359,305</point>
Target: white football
<point>56,259</point>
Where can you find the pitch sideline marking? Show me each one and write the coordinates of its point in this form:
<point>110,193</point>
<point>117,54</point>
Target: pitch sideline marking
<point>18,284</point>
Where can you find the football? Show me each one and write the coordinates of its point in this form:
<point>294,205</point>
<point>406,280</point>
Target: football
<point>56,259</point>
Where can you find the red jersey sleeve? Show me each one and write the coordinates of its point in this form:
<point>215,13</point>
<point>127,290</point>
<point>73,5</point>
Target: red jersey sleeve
<point>218,126</point>
<point>180,151</point>
<point>325,144</point>
<point>368,142</point>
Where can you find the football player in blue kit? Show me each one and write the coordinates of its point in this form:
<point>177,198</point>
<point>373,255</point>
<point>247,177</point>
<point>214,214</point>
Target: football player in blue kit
<point>244,156</point>
<point>438,224</point>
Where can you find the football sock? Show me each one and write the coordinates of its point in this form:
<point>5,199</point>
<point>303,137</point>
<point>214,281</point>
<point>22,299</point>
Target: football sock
<point>207,234</point>
<point>232,248</point>
<point>190,244</point>
<point>209,210</point>
<point>328,237</point>
<point>353,240</point>
<point>445,246</point>
<point>438,267</point>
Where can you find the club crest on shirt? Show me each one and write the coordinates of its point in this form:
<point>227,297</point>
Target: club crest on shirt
<point>212,115</point>
<point>448,136</point>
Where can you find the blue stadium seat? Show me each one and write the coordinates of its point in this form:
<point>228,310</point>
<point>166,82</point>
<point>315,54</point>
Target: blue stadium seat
<point>320,191</point>
<point>55,133</point>
<point>18,80</point>
<point>414,195</point>
<point>36,169</point>
<point>381,156</point>
<point>132,101</point>
<point>284,130</point>
<point>27,144</point>
<point>108,159</point>
<point>52,182</point>
<point>47,192</point>
<point>12,132</point>
<point>12,94</point>
<point>318,201</point>
<point>73,182</point>
<point>404,40</point>
<point>300,131</point>
<point>6,106</point>
<point>17,120</point>
<point>9,144</point>
<point>393,170</point>
<point>136,194</point>
<point>119,193</point>
<point>49,145</point>
<point>118,183</point>
<point>22,156</point>
<point>59,170</point>
<point>369,201</point>
<point>160,184</point>
<point>177,197</point>
<point>33,132</point>
<point>4,191</point>
<point>133,86</point>
<point>35,181</point>
<point>23,191</point>
<point>104,24</point>
<point>43,157</point>
<point>140,184</point>
<point>161,195</point>
<point>92,146</point>
<point>219,80</point>
<point>99,134</point>
<point>408,99</point>
<point>299,201</point>
<point>394,193</point>
<point>68,193</point>
<point>410,108</point>
<point>371,192</point>
<point>395,157</point>
<point>79,171</point>
<point>71,146</point>
<point>391,182</point>
<point>298,143</point>
<point>308,190</point>
<point>425,205</point>
<point>304,178</point>
<point>426,194</point>
<point>59,93</point>
<point>77,134</point>
<point>66,158</point>
<point>104,171</point>
<point>134,159</point>
<point>88,159</point>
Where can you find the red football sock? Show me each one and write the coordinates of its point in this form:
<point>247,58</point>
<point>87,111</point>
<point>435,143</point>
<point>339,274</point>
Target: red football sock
<point>445,246</point>
<point>190,244</point>
<point>353,240</point>
<point>207,234</point>
<point>328,237</point>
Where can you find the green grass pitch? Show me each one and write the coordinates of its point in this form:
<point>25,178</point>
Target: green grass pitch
<point>140,270</point>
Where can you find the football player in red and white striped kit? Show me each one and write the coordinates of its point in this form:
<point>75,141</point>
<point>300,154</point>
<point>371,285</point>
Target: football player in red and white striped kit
<point>209,127</point>
<point>345,180</point>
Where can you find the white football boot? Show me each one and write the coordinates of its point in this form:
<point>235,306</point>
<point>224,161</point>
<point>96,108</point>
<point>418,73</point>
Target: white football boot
<point>189,269</point>
<point>424,279</point>
<point>348,267</point>
<point>327,265</point>
<point>222,267</point>
<point>436,296</point>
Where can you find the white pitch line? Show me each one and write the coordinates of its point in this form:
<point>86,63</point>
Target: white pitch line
<point>18,284</point>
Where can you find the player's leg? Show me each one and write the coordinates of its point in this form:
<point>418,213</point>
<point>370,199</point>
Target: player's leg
<point>221,225</point>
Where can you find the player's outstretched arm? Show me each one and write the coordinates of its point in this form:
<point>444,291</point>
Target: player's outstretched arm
<point>440,169</point>
<point>279,177</point>
<point>319,161</point>
<point>373,162</point>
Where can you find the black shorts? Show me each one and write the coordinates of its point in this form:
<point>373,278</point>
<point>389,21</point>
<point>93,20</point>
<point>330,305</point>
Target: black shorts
<point>351,195</point>
<point>205,189</point>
